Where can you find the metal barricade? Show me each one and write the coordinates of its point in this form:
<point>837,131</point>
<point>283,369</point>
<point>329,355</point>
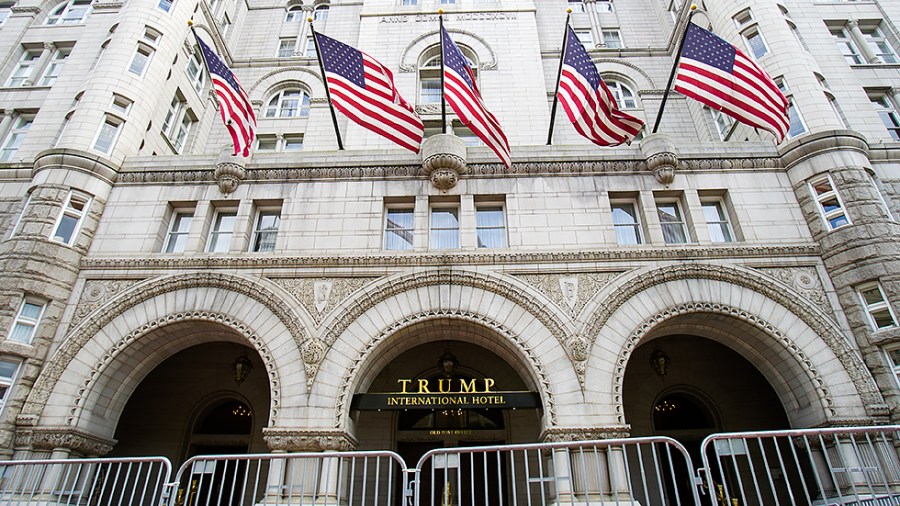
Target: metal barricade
<point>95,482</point>
<point>645,471</point>
<point>341,478</point>
<point>843,466</point>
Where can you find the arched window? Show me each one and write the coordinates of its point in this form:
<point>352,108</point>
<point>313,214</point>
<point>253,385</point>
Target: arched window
<point>71,12</point>
<point>320,14</point>
<point>625,98</point>
<point>430,73</point>
<point>288,103</point>
<point>294,14</point>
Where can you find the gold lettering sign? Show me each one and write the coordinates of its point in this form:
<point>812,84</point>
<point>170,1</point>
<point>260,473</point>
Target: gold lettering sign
<point>447,386</point>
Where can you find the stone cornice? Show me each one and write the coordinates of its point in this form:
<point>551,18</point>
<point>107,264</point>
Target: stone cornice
<point>699,252</point>
<point>73,159</point>
<point>53,438</point>
<point>819,143</point>
<point>299,440</point>
<point>579,434</point>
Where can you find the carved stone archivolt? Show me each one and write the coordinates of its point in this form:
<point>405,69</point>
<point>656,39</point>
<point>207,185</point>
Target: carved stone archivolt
<point>815,379</point>
<point>79,335</point>
<point>540,376</point>
<point>95,293</point>
<point>579,434</point>
<point>806,281</point>
<point>810,315</point>
<point>319,296</point>
<point>88,382</point>
<point>68,438</point>
<point>299,440</point>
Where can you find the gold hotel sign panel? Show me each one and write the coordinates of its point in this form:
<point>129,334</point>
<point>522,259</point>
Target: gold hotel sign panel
<point>445,393</point>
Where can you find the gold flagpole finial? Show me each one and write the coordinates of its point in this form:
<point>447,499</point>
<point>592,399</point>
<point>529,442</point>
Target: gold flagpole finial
<point>190,22</point>
<point>569,10</point>
<point>693,7</point>
<point>440,12</point>
<point>309,19</point>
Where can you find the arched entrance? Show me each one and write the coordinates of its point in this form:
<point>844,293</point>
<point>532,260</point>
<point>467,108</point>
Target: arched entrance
<point>192,404</point>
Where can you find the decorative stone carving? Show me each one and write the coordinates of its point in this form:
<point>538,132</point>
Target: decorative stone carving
<point>569,288</point>
<point>96,292</point>
<point>54,438</point>
<point>443,160</point>
<point>308,291</point>
<point>321,291</point>
<point>578,434</point>
<point>806,281</point>
<point>299,440</point>
<point>662,158</point>
<point>344,392</point>
<point>229,175</point>
<point>569,291</point>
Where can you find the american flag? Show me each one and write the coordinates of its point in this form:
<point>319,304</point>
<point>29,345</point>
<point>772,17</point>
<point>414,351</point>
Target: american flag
<point>364,90</point>
<point>718,74</point>
<point>462,94</point>
<point>234,104</point>
<point>589,104</point>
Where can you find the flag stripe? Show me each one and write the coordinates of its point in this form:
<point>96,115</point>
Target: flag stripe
<point>234,104</point>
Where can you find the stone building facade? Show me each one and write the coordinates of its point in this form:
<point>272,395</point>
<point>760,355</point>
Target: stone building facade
<point>159,296</point>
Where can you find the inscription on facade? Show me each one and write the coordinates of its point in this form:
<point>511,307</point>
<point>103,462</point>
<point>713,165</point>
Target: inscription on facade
<point>432,18</point>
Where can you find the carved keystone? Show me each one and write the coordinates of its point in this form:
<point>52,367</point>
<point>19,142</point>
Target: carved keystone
<point>662,157</point>
<point>229,172</point>
<point>443,160</point>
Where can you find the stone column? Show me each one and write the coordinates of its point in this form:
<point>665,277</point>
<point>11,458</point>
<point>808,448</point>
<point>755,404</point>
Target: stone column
<point>40,64</point>
<point>591,472</point>
<point>308,479</point>
<point>860,39</point>
<point>5,122</point>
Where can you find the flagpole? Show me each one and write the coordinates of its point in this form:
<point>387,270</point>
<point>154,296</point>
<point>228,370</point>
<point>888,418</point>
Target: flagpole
<point>443,103</point>
<point>662,106</point>
<point>205,64</point>
<point>562,56</point>
<point>337,132</point>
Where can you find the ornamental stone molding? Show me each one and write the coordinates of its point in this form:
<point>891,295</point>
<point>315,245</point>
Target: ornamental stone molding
<point>228,175</point>
<point>80,161</point>
<point>819,143</point>
<point>688,252</point>
<point>55,438</point>
<point>580,434</point>
<point>662,157</point>
<point>95,293</point>
<point>443,160</point>
<point>345,391</point>
<point>571,290</point>
<point>109,356</point>
<point>23,9</point>
<point>369,298</point>
<point>305,291</point>
<point>409,59</point>
<point>771,288</point>
<point>806,281</point>
<point>79,335</point>
<point>651,323</point>
<point>284,439</point>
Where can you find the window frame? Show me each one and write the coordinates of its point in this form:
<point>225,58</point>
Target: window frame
<point>7,382</point>
<point>872,308</point>
<point>435,208</point>
<point>117,123</point>
<point>619,89</point>
<point>277,111</point>
<point>178,123</point>
<point>195,72</point>
<point>294,14</point>
<point>636,226</point>
<point>754,33</point>
<point>24,68</point>
<point>280,51</point>
<point>217,233</point>
<point>834,214</point>
<point>723,225</point>
<point>724,123</point>
<point>67,211</point>
<point>13,140</point>
<point>681,222</point>
<point>847,46</point>
<point>142,49</point>
<point>54,66</point>
<point>620,44</point>
<point>874,37</point>
<point>60,15</point>
<point>388,243</point>
<point>256,243</point>
<point>491,206</point>
<point>888,113</point>
<point>173,235</point>
<point>23,321</point>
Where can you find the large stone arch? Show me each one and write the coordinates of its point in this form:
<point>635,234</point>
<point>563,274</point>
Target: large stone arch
<point>791,308</point>
<point>77,371</point>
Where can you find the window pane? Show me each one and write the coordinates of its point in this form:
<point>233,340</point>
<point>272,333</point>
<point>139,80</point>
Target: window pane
<point>444,228</point>
<point>626,224</point>
<point>670,219</point>
<point>221,236</point>
<point>8,370</point>
<point>491,228</point>
<point>882,318</point>
<point>66,228</point>
<point>717,222</point>
<point>30,310</point>
<point>267,231</point>
<point>399,229</point>
<point>872,295</point>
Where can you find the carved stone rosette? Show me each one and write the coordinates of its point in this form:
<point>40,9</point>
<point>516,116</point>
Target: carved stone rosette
<point>573,434</point>
<point>228,175</point>
<point>54,438</point>
<point>443,160</point>
<point>297,440</point>
<point>662,158</point>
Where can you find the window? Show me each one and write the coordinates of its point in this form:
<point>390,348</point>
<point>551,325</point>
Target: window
<point>178,123</point>
<point>224,25</point>
<point>179,228</point>
<point>627,222</point>
<point>430,73</point>
<point>880,193</point>
<point>14,138</point>
<point>165,5</point>
<point>444,226</point>
<point>8,371</point>
<point>55,66</point>
<point>16,228</point>
<point>829,202</point>
<point>448,1</point>
<point>623,94</point>
<point>576,5</point>
<point>846,45</point>
<point>717,221</point>
<point>672,222</point>
<point>266,230</point>
<point>875,39</point>
<point>398,228</point>
<point>121,104</point>
<point>107,134</point>
<point>293,143</point>
<point>152,35</point>
<point>27,320</point>
<point>604,6</point>
<point>797,125</point>
<point>71,12</point>
<point>195,72</point>
<point>755,42</point>
<point>832,101</point>
<point>294,14</point>
<point>743,19</point>
<point>894,359</point>
<point>223,230</point>
<point>23,70</point>
<point>289,103</point>
<point>5,11</point>
<point>286,47</point>
<point>320,14</point>
<point>266,142</point>
<point>886,110</point>
<point>612,39</point>
<point>586,38</point>
<point>71,217</point>
<point>490,225</point>
<point>723,122</point>
<point>881,316</point>
<point>310,51</point>
<point>409,2</point>
<point>140,60</point>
